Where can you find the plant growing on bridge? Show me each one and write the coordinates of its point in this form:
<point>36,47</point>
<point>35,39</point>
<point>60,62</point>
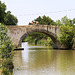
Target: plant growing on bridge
<point>67,36</point>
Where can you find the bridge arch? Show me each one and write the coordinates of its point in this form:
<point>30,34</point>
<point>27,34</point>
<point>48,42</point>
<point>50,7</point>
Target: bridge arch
<point>49,33</point>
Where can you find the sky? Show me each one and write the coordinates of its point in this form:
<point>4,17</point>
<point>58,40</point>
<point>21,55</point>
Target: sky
<point>28,10</point>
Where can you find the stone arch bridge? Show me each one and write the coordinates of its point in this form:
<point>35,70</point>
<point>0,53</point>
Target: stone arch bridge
<point>17,33</point>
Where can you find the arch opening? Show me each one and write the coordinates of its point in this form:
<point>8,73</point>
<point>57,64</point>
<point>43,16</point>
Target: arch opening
<point>48,33</point>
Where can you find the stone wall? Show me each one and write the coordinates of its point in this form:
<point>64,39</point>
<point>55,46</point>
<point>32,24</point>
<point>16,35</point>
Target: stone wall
<point>17,33</point>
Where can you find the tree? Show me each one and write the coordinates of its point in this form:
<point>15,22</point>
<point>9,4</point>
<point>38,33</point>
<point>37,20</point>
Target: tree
<point>39,37</point>
<point>58,22</point>
<point>2,12</point>
<point>44,20</point>
<point>74,21</point>
<point>66,21</point>
<point>35,37</point>
<point>6,17</point>
<point>67,36</point>
<point>39,19</point>
<point>10,19</point>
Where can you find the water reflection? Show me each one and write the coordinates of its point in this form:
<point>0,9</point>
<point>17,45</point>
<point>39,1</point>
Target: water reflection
<point>33,61</point>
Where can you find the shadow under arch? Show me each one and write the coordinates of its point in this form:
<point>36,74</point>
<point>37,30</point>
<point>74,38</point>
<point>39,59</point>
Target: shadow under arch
<point>48,33</point>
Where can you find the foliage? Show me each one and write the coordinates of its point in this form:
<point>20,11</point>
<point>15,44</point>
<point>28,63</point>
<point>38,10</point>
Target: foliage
<point>67,35</point>
<point>6,51</point>
<point>49,42</point>
<point>35,37</point>
<point>6,17</point>
<point>67,26</point>
<point>74,21</point>
<point>46,42</point>
<point>6,46</point>
<point>44,20</point>
<point>2,11</point>
<point>10,19</point>
<point>39,39</point>
<point>66,21</point>
<point>7,67</point>
<point>58,22</point>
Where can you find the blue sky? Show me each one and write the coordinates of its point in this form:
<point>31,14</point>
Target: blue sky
<point>28,10</point>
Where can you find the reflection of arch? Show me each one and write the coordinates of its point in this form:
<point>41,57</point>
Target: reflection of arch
<point>50,34</point>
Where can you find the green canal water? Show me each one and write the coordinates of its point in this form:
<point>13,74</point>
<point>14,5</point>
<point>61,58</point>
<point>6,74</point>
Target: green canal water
<point>40,60</point>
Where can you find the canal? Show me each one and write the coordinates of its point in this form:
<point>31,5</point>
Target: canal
<point>40,60</point>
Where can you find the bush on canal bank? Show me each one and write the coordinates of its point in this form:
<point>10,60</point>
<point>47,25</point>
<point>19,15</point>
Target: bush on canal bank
<point>6,46</point>
<point>6,49</point>
<point>66,36</point>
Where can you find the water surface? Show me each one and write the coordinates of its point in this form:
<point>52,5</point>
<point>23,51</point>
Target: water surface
<point>40,60</point>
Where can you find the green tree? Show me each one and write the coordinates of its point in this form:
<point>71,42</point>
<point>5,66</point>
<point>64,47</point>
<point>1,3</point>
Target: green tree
<point>35,37</point>
<point>67,36</point>
<point>67,21</point>
<point>44,20</point>
<point>58,22</point>
<point>10,19</point>
<point>38,38</point>
<point>74,21</point>
<point>39,19</point>
<point>6,17</point>
<point>2,12</point>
